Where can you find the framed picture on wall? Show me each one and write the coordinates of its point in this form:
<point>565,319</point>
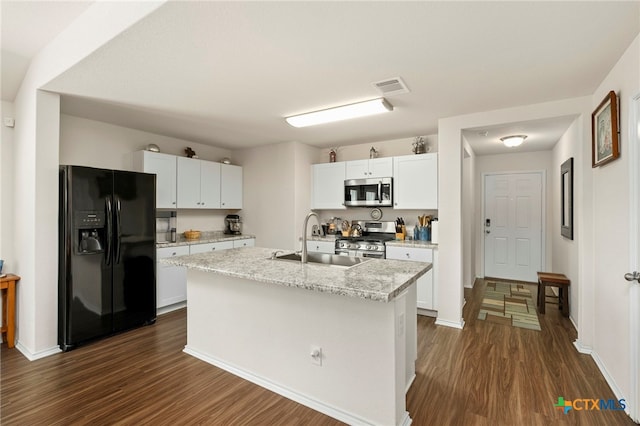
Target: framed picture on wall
<point>566,199</point>
<point>604,131</point>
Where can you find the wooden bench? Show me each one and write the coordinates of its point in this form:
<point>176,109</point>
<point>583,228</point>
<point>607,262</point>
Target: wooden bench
<point>8,288</point>
<point>549,279</point>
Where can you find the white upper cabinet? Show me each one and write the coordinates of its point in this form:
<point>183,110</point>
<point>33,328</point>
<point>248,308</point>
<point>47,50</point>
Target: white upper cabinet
<point>327,185</point>
<point>198,184</point>
<point>415,182</point>
<point>190,183</point>
<point>209,185</point>
<point>373,168</point>
<point>230,186</point>
<point>164,167</point>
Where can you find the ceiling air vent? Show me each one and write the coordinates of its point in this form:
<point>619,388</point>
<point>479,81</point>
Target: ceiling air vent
<point>392,86</point>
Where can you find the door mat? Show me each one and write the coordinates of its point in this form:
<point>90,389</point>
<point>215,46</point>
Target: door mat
<point>509,304</point>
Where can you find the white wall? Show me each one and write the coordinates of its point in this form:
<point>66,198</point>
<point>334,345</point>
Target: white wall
<point>469,224</point>
<point>612,232</point>
<point>516,162</point>
<point>304,157</point>
<point>269,190</point>
<point>388,148</point>
<point>6,189</point>
<point>565,252</point>
<point>35,160</point>
<point>7,234</point>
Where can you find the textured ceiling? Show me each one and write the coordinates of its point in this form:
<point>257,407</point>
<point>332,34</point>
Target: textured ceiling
<point>227,73</point>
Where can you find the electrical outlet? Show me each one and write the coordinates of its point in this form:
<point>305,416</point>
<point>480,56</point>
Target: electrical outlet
<point>316,355</point>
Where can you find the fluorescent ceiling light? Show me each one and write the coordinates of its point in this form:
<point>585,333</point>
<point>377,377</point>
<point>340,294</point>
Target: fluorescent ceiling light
<point>513,141</point>
<point>360,109</point>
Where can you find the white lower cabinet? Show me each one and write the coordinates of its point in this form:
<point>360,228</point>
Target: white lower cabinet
<point>327,247</point>
<point>201,248</point>
<point>246,242</point>
<point>171,281</point>
<point>426,283</point>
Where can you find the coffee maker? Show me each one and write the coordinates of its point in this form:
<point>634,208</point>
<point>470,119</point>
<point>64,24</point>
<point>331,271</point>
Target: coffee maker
<point>233,224</point>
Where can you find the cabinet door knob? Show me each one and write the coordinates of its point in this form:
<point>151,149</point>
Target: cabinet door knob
<point>173,202</point>
<point>213,248</point>
<point>202,204</point>
<point>173,254</point>
<point>408,256</point>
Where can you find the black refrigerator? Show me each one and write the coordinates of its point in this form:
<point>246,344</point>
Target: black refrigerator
<point>107,253</point>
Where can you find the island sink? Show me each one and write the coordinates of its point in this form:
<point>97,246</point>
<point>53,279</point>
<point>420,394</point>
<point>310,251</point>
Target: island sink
<point>325,259</point>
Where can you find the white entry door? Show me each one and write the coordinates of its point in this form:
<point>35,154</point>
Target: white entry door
<point>513,226</point>
<point>634,258</point>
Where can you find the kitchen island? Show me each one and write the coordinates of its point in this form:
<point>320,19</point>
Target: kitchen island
<point>339,340</point>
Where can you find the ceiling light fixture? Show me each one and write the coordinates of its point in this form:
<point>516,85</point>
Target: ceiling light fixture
<point>360,109</point>
<point>513,141</point>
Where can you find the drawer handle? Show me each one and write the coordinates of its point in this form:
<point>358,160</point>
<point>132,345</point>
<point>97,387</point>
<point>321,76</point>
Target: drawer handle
<point>408,256</point>
<point>174,253</point>
<point>213,248</point>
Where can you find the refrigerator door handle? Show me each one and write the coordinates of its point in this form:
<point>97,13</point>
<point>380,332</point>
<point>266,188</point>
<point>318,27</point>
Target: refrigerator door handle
<point>118,231</point>
<point>109,230</point>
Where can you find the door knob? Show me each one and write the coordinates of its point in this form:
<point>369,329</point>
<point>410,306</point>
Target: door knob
<point>488,231</point>
<point>632,276</point>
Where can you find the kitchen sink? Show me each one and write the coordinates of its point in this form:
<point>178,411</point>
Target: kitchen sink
<point>324,259</point>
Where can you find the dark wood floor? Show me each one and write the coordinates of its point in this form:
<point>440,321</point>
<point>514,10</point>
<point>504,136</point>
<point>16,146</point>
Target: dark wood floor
<point>486,374</point>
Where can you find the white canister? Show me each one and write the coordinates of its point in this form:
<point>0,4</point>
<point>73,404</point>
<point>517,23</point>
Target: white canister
<point>434,231</point>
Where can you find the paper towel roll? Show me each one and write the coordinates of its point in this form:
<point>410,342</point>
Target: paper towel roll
<point>434,232</point>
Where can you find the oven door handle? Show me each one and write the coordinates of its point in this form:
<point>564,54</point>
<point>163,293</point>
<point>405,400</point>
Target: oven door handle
<point>379,191</point>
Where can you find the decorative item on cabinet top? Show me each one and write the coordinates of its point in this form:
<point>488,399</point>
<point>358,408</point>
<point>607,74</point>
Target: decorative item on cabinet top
<point>153,147</point>
<point>190,153</point>
<point>420,145</point>
<point>333,155</point>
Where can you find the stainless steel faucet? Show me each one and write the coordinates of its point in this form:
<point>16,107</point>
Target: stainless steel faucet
<point>304,234</point>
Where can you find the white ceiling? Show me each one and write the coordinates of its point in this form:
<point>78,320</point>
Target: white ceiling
<point>27,26</point>
<point>227,73</point>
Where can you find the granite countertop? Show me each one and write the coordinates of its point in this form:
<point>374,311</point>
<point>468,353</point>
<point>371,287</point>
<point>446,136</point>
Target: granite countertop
<point>205,237</point>
<point>376,279</point>
<point>330,238</point>
<point>412,243</point>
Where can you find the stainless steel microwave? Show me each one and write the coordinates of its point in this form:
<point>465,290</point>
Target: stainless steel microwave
<point>370,192</point>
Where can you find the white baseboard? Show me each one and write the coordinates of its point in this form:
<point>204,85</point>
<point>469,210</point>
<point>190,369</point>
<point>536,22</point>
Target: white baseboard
<point>291,394</point>
<point>588,350</point>
<point>452,324</point>
<point>583,349</point>
<point>170,308</point>
<point>427,313</point>
<point>33,356</point>
<point>610,381</point>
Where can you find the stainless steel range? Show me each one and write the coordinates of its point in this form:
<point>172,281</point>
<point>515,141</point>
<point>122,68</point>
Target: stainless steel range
<point>372,241</point>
